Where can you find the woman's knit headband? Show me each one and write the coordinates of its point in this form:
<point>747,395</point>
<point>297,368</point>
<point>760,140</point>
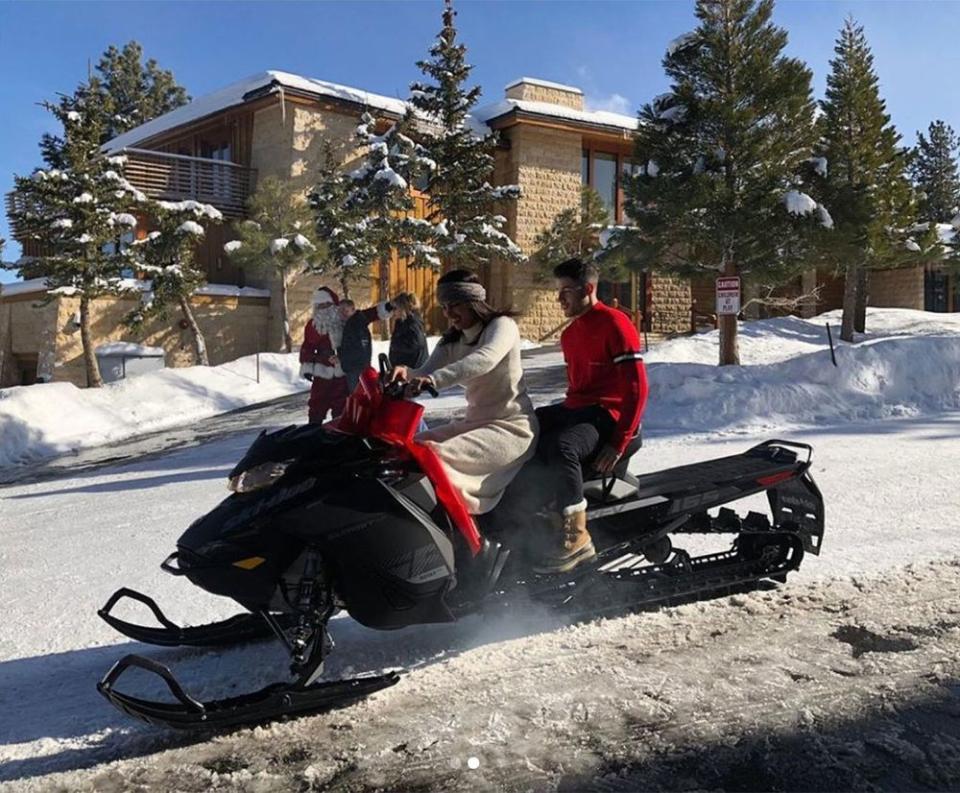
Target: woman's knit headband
<point>461,292</point>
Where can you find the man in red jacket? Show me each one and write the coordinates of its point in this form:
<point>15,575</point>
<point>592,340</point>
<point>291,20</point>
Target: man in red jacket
<point>319,362</point>
<point>606,394</point>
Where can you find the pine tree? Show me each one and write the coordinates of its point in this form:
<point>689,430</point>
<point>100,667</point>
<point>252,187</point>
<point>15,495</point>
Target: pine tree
<point>379,194</point>
<point>348,252</point>
<point>138,92</point>
<point>168,256</point>
<point>467,231</point>
<point>866,185</point>
<point>935,173</point>
<point>577,232</point>
<point>278,236</point>
<point>727,156</point>
<point>77,209</point>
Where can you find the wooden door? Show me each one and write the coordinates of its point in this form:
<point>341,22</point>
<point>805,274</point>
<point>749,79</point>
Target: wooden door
<point>397,276</point>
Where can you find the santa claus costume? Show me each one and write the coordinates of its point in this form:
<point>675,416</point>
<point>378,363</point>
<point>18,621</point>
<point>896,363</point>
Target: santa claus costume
<point>318,357</point>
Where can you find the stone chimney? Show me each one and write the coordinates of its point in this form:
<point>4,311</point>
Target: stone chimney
<point>534,90</point>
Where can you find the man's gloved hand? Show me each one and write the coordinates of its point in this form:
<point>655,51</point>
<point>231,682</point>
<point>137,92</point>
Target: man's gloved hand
<point>605,460</point>
<point>308,377</point>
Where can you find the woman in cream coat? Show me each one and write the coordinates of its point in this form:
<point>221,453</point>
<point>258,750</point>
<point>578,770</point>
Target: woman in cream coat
<point>485,449</point>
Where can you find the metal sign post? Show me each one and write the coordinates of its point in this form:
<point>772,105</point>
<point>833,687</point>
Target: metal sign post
<point>728,295</point>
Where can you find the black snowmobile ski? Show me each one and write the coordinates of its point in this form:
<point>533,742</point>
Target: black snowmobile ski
<point>235,630</point>
<point>276,701</point>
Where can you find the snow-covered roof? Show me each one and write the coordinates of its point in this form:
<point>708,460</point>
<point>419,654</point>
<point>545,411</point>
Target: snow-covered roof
<point>23,287</point>
<point>596,117</point>
<point>273,81</point>
<point>226,290</point>
<point>128,349</point>
<point>222,290</point>
<point>543,84</point>
<point>239,92</point>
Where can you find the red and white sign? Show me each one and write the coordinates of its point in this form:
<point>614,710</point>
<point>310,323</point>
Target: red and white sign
<point>728,295</point>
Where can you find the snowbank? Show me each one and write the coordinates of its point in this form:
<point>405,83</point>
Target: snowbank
<point>907,365</point>
<point>58,418</point>
<point>55,418</point>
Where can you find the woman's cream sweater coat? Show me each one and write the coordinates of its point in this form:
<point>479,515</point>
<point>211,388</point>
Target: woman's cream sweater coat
<point>485,449</point>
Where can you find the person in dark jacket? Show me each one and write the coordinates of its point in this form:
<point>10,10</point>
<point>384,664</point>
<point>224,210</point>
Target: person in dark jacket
<point>356,346</point>
<point>408,342</point>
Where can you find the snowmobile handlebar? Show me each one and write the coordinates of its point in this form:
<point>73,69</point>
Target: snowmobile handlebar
<point>395,388</point>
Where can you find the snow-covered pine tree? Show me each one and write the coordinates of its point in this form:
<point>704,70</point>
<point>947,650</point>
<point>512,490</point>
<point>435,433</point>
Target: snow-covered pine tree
<point>467,230</point>
<point>577,232</point>
<point>726,154</point>
<point>277,237</point>
<point>138,92</point>
<point>935,174</point>
<point>379,193</point>
<point>77,209</point>
<point>866,184</point>
<point>347,253</point>
<point>167,255</point>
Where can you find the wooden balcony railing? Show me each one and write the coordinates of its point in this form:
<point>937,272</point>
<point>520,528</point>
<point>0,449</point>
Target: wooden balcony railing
<point>175,177</point>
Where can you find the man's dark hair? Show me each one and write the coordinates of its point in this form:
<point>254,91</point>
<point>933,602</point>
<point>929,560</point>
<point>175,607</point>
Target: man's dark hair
<point>577,270</point>
<point>348,302</point>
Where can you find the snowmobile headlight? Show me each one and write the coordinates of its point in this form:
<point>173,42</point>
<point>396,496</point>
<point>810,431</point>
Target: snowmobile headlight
<point>258,477</point>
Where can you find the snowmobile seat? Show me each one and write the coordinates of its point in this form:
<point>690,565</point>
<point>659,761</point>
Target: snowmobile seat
<point>621,484</point>
<point>717,473</point>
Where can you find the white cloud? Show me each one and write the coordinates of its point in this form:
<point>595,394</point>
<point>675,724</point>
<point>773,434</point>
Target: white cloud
<point>614,103</point>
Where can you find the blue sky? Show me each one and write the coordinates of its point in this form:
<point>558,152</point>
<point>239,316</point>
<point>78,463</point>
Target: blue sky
<point>612,50</point>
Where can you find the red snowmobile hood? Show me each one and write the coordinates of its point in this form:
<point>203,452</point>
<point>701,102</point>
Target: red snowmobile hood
<point>395,421</point>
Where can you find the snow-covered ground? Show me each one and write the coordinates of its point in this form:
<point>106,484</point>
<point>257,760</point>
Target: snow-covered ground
<point>700,696</point>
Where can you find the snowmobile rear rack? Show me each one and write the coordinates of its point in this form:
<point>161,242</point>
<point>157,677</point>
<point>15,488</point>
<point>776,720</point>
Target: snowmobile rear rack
<point>234,630</point>
<point>276,701</point>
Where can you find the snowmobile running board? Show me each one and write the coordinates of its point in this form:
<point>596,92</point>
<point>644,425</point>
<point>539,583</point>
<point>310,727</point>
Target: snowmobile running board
<point>236,629</point>
<point>276,701</point>
<point>614,582</point>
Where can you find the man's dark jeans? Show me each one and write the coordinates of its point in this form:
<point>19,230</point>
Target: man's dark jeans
<point>570,437</point>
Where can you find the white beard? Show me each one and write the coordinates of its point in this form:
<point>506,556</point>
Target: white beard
<point>327,322</point>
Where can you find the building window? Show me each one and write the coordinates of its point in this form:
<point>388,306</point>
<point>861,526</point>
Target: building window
<point>628,169</point>
<point>605,180</point>
<point>602,171</point>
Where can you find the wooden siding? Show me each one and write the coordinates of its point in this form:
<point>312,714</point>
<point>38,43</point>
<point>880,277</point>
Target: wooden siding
<point>398,276</point>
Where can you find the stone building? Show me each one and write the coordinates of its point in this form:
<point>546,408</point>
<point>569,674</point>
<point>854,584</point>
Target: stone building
<point>275,123</point>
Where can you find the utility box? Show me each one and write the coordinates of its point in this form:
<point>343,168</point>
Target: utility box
<point>120,359</point>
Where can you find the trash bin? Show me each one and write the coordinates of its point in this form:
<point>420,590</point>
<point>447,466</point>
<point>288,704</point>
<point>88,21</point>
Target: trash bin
<point>122,359</point>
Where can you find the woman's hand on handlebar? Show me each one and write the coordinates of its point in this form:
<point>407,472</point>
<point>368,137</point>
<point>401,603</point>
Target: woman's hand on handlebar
<point>418,384</point>
<point>412,386</point>
<point>398,373</point>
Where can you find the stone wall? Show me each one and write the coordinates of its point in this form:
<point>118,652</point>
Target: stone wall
<point>902,288</point>
<point>288,142</point>
<point>546,165</point>
<point>534,92</point>
<point>271,148</point>
<point>28,329</point>
<point>232,326</point>
<point>670,304</point>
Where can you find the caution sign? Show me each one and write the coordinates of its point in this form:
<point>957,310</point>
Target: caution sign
<point>728,295</point>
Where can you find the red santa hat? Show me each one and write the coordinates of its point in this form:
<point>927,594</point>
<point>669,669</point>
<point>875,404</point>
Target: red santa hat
<point>325,295</point>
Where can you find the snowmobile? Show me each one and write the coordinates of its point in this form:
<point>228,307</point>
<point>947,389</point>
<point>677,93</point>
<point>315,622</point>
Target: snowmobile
<point>356,515</point>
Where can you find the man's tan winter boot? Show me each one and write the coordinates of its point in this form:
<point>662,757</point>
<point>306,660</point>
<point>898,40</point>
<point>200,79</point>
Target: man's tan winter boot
<point>571,544</point>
